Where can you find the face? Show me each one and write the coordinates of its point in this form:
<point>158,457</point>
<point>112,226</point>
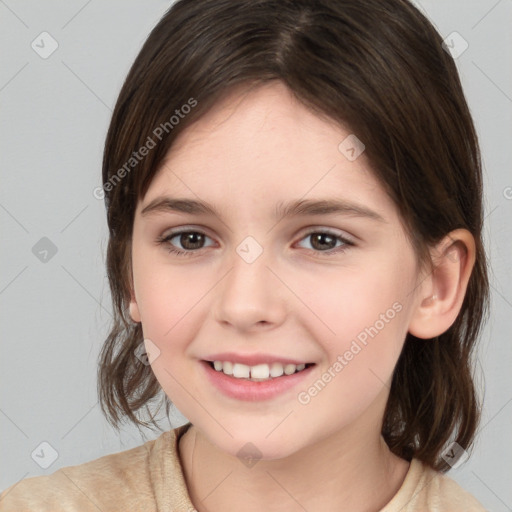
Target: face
<point>327,288</point>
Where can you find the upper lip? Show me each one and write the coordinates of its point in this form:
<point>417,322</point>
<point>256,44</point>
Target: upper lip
<point>253,359</point>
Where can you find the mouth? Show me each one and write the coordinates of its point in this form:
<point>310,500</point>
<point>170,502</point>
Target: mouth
<point>258,373</point>
<point>258,382</point>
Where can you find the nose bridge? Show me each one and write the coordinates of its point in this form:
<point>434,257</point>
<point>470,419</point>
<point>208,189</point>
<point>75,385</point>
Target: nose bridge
<point>249,275</point>
<point>249,293</point>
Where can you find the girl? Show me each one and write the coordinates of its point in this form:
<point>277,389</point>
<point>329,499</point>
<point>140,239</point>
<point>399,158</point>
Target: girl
<point>294,202</point>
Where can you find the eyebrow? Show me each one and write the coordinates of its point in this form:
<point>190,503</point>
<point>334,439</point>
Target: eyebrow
<point>283,210</point>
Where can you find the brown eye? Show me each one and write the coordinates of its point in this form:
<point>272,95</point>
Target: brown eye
<point>326,242</point>
<point>191,240</point>
<point>323,241</point>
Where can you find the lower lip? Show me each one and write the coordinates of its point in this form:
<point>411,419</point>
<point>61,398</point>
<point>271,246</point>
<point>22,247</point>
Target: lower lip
<point>252,391</point>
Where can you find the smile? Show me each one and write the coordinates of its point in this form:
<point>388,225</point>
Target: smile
<point>259,372</point>
<point>255,383</point>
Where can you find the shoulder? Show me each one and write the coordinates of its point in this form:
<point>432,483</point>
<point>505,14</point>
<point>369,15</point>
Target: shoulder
<point>119,481</point>
<point>427,489</point>
<point>448,495</point>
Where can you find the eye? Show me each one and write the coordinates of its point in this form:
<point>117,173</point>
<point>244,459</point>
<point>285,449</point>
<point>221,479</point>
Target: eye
<point>324,241</point>
<point>190,240</point>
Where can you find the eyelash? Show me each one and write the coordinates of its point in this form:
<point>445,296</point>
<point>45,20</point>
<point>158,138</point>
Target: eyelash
<point>165,240</point>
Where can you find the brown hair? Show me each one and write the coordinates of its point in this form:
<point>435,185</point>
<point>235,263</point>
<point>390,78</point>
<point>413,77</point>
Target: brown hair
<point>376,67</point>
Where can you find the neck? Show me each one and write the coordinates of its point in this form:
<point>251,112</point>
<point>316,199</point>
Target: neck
<point>351,470</point>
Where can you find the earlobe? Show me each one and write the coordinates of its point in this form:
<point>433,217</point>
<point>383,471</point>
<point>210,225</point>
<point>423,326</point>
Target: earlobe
<point>134,307</point>
<point>134,311</point>
<point>442,292</point>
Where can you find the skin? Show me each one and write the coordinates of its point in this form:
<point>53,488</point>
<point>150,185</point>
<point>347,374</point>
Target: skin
<point>250,152</point>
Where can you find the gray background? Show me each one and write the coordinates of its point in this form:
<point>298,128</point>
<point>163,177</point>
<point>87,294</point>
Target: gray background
<point>54,314</point>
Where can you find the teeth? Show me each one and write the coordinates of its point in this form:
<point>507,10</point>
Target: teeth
<point>241,371</point>
<point>227,368</point>
<point>276,370</point>
<point>289,369</point>
<point>259,372</point>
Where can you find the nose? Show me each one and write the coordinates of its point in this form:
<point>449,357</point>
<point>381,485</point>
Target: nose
<point>250,296</point>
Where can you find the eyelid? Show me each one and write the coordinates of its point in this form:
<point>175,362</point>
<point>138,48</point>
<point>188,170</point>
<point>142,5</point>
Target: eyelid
<point>186,229</point>
<point>346,240</point>
<point>331,231</point>
<point>167,235</point>
<point>309,230</point>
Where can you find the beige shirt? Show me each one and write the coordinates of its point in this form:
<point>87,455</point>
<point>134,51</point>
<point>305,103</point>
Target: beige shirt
<point>150,478</point>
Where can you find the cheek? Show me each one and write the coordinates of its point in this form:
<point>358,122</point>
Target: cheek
<point>360,363</point>
<point>173,306</point>
<point>346,304</point>
<point>168,296</point>
<point>360,321</point>
<point>171,311</point>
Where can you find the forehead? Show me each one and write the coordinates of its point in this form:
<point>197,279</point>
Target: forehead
<point>261,147</point>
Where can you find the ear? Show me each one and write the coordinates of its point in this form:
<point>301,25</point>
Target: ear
<point>134,310</point>
<point>134,307</point>
<point>442,291</point>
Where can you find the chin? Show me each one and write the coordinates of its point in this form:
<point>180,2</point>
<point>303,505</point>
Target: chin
<point>256,447</point>
<point>257,439</point>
